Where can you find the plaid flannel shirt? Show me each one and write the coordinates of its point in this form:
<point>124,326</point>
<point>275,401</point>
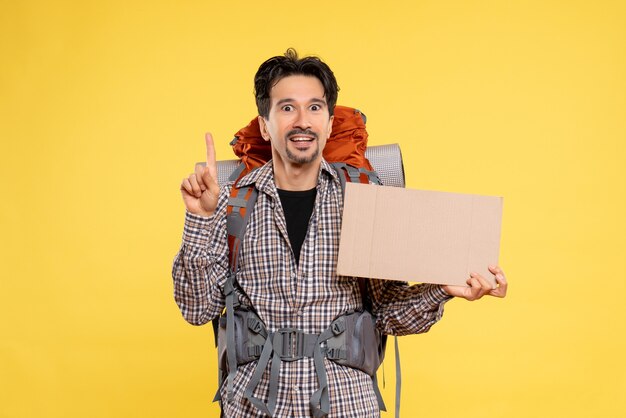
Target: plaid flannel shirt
<point>307,295</point>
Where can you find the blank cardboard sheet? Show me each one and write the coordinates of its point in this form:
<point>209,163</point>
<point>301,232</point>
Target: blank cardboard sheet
<point>418,236</point>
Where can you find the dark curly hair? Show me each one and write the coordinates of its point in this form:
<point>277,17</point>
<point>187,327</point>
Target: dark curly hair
<point>279,67</point>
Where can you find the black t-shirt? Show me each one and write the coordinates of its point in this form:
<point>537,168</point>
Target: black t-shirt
<point>298,207</point>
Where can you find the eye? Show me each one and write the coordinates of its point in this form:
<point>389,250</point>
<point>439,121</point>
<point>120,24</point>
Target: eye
<point>316,107</point>
<point>287,108</point>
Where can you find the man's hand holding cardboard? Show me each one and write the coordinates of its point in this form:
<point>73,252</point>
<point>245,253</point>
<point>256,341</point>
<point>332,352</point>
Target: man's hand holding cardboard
<point>479,286</point>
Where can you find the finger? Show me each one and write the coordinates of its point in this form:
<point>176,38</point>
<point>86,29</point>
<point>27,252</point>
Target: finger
<point>193,180</point>
<point>501,279</point>
<point>502,284</point>
<point>208,200</point>
<point>211,161</point>
<point>199,176</point>
<point>502,288</point>
<point>485,286</point>
<point>496,270</point>
<point>185,187</point>
<point>474,289</point>
<point>210,181</point>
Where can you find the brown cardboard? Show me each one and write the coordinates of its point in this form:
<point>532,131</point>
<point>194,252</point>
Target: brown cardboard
<point>418,236</point>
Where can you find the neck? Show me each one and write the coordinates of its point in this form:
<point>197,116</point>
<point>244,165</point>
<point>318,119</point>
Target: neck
<point>296,177</point>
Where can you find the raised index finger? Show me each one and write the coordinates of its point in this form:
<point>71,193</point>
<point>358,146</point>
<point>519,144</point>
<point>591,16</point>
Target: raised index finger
<point>211,162</point>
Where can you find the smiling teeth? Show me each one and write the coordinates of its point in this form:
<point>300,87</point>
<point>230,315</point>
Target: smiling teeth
<point>301,138</point>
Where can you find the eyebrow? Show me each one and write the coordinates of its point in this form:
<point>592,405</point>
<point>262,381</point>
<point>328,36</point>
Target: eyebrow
<point>289,100</point>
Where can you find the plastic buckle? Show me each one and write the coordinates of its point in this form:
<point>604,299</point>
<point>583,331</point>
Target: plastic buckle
<point>289,344</point>
<point>338,327</point>
<point>255,325</point>
<point>255,351</point>
<point>335,354</point>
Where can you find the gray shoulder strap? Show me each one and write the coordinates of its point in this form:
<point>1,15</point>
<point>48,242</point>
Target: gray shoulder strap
<point>240,205</point>
<point>348,173</point>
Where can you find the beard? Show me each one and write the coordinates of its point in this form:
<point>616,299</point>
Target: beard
<point>302,159</point>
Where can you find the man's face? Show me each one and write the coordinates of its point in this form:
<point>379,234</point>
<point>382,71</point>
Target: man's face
<point>298,124</point>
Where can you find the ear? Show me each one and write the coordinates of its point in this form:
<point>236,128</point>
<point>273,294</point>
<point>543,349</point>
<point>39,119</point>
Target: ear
<point>330,125</point>
<point>263,127</point>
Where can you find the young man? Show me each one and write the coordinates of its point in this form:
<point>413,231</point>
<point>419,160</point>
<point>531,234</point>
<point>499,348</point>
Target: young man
<point>287,263</point>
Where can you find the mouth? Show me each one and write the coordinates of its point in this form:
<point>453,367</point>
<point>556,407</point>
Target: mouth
<point>301,138</point>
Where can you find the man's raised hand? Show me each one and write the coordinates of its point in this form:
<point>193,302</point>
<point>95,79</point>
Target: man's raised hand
<point>200,190</point>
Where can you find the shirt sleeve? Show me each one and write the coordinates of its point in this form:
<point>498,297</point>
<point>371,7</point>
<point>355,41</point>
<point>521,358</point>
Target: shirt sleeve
<point>402,309</point>
<point>201,265</point>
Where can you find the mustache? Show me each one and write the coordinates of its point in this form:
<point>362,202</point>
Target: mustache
<point>295,132</point>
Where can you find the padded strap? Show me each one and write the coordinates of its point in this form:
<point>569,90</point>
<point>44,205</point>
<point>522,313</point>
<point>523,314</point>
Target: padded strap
<point>365,295</point>
<point>231,353</point>
<point>348,173</point>
<point>237,171</point>
<point>240,205</point>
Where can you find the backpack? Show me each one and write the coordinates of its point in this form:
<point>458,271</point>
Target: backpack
<point>241,337</point>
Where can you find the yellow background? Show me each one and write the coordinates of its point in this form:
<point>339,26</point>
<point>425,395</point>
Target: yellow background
<point>103,109</point>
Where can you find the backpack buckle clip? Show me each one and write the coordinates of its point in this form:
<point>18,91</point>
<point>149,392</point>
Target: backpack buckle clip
<point>288,344</point>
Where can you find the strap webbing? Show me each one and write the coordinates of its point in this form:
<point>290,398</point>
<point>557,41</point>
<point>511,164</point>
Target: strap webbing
<point>279,348</point>
<point>320,397</point>
<point>231,354</point>
<point>398,376</point>
<point>379,396</point>
<point>256,378</point>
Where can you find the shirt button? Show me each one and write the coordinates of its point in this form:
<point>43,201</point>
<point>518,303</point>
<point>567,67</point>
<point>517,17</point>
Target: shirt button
<point>300,313</point>
<point>296,389</point>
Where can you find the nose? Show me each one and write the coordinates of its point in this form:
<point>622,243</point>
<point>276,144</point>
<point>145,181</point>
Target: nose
<point>302,120</point>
